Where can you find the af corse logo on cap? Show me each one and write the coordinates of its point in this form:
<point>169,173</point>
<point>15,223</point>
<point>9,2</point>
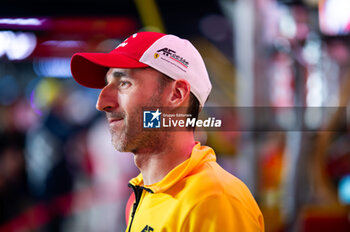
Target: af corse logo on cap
<point>172,54</point>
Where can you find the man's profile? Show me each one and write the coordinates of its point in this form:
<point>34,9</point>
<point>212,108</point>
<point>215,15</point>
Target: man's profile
<point>180,187</point>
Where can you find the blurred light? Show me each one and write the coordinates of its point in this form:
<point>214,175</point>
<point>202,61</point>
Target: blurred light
<point>288,26</point>
<point>215,27</point>
<point>8,90</point>
<point>40,157</point>
<point>150,14</point>
<point>5,40</point>
<point>47,91</point>
<point>314,87</point>
<point>282,93</point>
<point>22,45</point>
<point>286,117</point>
<point>312,52</point>
<point>44,94</point>
<point>52,67</point>
<point>313,117</point>
<point>79,108</point>
<point>344,189</point>
<point>334,16</point>
<point>151,28</point>
<point>33,105</point>
<point>24,116</point>
<point>17,46</point>
<point>22,21</point>
<point>64,43</point>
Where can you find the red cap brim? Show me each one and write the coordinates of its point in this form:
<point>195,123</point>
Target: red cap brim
<point>89,69</point>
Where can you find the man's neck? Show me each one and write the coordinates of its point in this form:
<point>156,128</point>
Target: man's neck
<point>155,165</point>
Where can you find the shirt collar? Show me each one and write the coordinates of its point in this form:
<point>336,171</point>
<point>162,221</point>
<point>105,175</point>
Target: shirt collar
<point>199,155</point>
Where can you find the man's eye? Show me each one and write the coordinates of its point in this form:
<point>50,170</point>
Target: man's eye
<point>124,84</point>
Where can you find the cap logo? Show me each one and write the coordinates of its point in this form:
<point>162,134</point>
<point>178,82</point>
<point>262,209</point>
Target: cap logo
<point>124,43</point>
<point>156,55</point>
<point>172,54</point>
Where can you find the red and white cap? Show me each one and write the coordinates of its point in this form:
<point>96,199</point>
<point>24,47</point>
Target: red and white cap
<point>169,54</point>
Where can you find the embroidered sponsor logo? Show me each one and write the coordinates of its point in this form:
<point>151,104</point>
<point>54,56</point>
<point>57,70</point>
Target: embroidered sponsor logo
<point>172,55</point>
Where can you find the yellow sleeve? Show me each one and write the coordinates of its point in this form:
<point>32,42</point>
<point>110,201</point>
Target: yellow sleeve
<point>217,213</point>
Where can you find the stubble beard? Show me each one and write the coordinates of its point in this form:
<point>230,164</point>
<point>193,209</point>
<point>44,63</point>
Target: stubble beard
<point>124,140</point>
<point>131,137</point>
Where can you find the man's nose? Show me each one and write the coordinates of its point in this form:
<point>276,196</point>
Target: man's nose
<point>108,99</point>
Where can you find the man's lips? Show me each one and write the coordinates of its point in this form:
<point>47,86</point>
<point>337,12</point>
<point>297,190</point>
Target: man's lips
<point>115,119</point>
<point>112,120</point>
<point>115,123</point>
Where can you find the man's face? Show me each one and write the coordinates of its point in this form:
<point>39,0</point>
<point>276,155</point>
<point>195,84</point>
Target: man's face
<point>125,93</point>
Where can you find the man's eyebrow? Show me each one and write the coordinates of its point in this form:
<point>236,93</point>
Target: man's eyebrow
<point>119,74</point>
<point>116,74</point>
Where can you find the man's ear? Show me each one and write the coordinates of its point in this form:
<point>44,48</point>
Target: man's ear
<point>180,91</point>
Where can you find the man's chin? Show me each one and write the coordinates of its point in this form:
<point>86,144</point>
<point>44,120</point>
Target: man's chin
<point>120,148</point>
<point>117,143</point>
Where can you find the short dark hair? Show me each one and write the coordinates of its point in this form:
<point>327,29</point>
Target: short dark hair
<point>194,106</point>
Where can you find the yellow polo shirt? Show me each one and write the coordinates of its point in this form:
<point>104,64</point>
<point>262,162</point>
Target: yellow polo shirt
<point>197,195</point>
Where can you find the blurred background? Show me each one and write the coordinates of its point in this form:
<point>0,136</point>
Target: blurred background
<point>58,170</point>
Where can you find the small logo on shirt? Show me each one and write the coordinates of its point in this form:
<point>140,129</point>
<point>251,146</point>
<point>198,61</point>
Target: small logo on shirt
<point>151,118</point>
<point>147,229</point>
